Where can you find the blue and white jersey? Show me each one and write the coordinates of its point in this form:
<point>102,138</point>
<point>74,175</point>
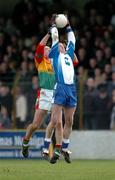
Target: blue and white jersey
<point>63,63</point>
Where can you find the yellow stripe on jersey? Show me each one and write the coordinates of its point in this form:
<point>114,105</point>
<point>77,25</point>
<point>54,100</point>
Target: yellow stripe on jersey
<point>44,66</point>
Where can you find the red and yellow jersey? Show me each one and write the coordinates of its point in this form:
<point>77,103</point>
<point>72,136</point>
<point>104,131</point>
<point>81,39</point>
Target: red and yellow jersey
<point>45,69</point>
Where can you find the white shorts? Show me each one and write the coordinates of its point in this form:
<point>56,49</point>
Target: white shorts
<point>44,99</point>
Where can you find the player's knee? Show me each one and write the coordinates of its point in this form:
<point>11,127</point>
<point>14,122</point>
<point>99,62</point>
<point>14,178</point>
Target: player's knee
<point>53,124</point>
<point>59,124</point>
<point>69,121</point>
<point>54,119</point>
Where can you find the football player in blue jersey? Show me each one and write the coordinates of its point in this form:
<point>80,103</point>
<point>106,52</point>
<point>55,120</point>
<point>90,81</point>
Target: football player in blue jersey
<point>65,97</point>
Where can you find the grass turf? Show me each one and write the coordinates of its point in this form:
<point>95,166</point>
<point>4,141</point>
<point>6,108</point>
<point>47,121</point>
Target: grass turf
<point>43,170</point>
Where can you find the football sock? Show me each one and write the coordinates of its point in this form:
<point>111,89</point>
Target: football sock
<point>57,149</point>
<point>25,141</point>
<point>65,144</point>
<point>47,142</point>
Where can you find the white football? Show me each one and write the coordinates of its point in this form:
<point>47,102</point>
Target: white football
<point>61,20</point>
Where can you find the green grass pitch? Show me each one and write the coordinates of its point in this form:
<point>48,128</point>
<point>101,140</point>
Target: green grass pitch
<point>43,170</point>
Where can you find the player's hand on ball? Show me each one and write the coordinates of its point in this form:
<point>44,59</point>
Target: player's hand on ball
<point>52,22</point>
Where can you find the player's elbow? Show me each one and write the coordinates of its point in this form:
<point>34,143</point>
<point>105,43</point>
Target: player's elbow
<point>71,37</point>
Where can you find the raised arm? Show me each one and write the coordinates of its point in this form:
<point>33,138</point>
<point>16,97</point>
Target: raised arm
<point>70,35</point>
<point>70,41</point>
<point>45,39</point>
<point>55,39</point>
<point>40,49</point>
<point>54,35</point>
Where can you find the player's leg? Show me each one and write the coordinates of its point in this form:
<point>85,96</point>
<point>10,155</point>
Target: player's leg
<point>38,118</point>
<point>49,132</point>
<point>68,113</point>
<point>43,104</point>
<point>59,100</point>
<point>34,125</point>
<point>50,128</point>
<point>56,118</point>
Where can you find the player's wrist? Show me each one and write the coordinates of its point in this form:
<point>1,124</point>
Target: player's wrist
<point>68,28</point>
<point>50,29</point>
<point>49,33</point>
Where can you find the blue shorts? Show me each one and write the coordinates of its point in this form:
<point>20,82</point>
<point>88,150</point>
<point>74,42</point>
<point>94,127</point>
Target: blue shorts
<point>65,95</point>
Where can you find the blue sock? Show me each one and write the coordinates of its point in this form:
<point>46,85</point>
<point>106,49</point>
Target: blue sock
<point>47,142</point>
<point>65,144</point>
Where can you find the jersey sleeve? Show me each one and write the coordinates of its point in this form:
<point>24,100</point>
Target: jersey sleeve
<point>71,42</point>
<point>39,54</point>
<point>54,51</point>
<point>70,50</point>
<point>55,43</point>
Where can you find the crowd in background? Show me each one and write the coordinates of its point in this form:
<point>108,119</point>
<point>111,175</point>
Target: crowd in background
<point>95,49</point>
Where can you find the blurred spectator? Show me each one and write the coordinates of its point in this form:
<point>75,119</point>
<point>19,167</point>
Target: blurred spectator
<point>84,44</point>
<point>31,69</point>
<point>31,97</point>
<point>92,66</point>
<point>97,76</point>
<point>82,56</point>
<point>10,28</point>
<point>104,77</point>
<point>21,108</point>
<point>108,38</point>
<point>7,72</point>
<point>100,58</point>
<point>5,121</point>
<point>89,94</point>
<point>102,108</point>
<point>6,99</point>
<point>24,77</point>
<point>2,45</point>
<point>99,28</point>
<point>113,20</point>
<point>111,84</point>
<point>102,45</point>
<point>112,61</point>
<point>82,74</point>
<point>4,75</point>
<point>25,17</point>
<point>108,54</point>
<point>107,70</point>
<point>24,55</point>
<point>112,123</point>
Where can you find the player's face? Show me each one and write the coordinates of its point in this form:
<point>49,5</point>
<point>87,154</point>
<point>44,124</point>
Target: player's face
<point>46,51</point>
<point>62,48</point>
